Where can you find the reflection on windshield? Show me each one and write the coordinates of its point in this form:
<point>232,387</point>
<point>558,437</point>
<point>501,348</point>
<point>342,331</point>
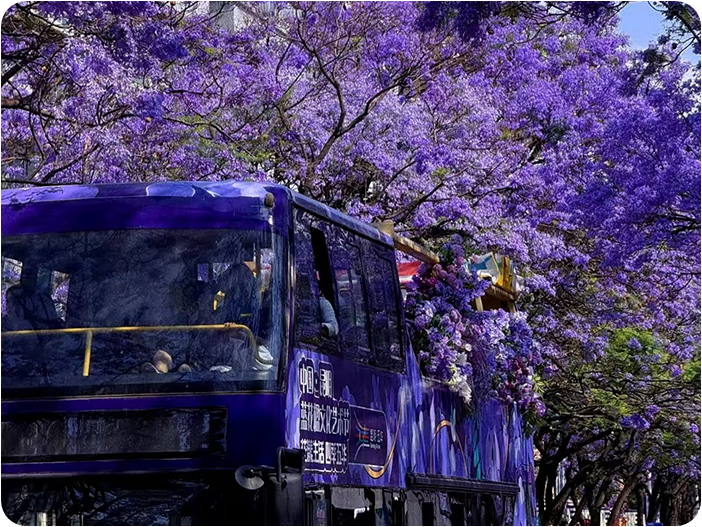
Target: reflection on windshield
<point>120,308</point>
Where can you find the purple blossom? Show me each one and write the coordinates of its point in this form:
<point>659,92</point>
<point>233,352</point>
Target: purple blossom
<point>635,421</point>
<point>498,347</point>
<point>634,344</point>
<point>651,411</point>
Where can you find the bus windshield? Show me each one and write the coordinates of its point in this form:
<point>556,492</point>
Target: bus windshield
<point>148,310</point>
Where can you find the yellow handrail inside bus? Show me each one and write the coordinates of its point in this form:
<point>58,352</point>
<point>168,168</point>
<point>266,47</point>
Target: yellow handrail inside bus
<point>88,351</point>
<point>89,332</point>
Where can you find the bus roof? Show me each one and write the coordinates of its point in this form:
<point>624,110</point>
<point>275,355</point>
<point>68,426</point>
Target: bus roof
<point>228,189</point>
<point>180,189</point>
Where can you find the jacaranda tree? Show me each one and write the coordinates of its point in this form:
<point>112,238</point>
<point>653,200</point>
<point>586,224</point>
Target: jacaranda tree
<point>526,129</point>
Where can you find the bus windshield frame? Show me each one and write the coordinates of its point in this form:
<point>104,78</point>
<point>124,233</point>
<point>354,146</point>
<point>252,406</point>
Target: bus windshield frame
<point>131,311</point>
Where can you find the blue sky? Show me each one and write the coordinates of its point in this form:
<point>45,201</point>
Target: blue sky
<point>643,24</point>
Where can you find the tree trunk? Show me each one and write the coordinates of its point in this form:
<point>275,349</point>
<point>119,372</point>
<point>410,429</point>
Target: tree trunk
<point>543,478</point>
<point>596,507</point>
<point>654,503</point>
<point>667,507</point>
<point>640,505</point>
<point>550,493</point>
<point>690,502</point>
<point>595,513</point>
<point>578,514</point>
<point>675,509</point>
<point>622,499</point>
<point>672,501</point>
<point>559,503</point>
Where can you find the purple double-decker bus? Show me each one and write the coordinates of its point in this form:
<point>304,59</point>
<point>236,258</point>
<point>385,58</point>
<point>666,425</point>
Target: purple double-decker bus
<point>228,353</point>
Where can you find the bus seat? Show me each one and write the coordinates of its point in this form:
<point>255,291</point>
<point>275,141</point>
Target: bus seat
<point>30,309</point>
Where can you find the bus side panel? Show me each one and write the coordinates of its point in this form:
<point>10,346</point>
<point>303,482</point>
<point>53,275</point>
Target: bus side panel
<point>485,442</point>
<point>438,444</point>
<point>428,430</point>
<point>349,420</point>
<point>521,456</point>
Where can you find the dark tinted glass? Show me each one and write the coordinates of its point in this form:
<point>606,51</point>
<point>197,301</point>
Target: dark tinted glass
<point>142,310</point>
<point>383,300</point>
<point>308,322</point>
<point>363,291</point>
<point>353,320</point>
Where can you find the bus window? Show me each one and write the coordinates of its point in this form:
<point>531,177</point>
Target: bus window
<point>383,301</point>
<point>328,269</point>
<point>507,507</point>
<point>115,307</point>
<point>11,271</point>
<point>322,265</point>
<point>499,504</point>
<point>311,285</point>
<point>470,509</point>
<point>29,303</point>
<point>443,513</point>
<point>353,320</point>
<point>59,292</point>
<point>317,507</point>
